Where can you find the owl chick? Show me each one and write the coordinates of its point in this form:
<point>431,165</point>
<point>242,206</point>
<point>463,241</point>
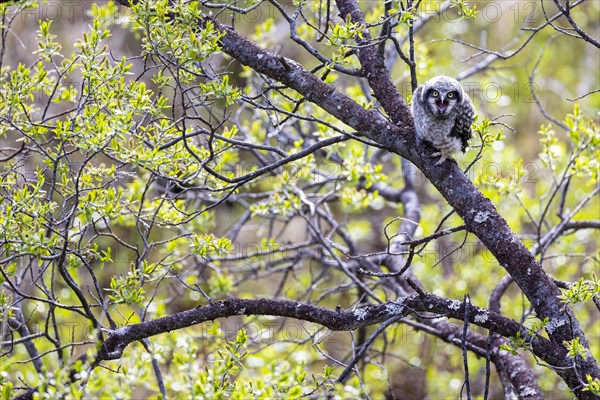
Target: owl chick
<point>443,115</point>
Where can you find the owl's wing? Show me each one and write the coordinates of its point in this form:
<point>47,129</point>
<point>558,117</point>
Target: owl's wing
<point>462,123</point>
<point>417,95</point>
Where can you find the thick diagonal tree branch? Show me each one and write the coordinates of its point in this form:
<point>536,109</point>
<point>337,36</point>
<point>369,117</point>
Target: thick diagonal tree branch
<point>477,211</point>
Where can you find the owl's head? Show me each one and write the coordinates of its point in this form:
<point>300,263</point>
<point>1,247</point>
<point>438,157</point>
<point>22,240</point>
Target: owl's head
<point>441,94</point>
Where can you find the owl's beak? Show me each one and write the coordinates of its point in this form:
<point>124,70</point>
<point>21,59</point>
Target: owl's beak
<point>441,104</point>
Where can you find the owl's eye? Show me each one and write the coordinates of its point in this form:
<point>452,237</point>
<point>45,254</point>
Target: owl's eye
<point>451,95</point>
<point>435,93</point>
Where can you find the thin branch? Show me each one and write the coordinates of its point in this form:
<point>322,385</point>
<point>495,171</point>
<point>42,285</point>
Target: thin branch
<point>365,346</point>
<point>467,384</point>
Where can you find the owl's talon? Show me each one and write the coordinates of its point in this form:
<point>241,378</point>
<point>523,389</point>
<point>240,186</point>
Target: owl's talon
<point>441,155</point>
<point>441,160</point>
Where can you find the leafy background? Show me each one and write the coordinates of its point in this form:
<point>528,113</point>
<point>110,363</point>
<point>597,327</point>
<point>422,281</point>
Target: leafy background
<point>153,253</point>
